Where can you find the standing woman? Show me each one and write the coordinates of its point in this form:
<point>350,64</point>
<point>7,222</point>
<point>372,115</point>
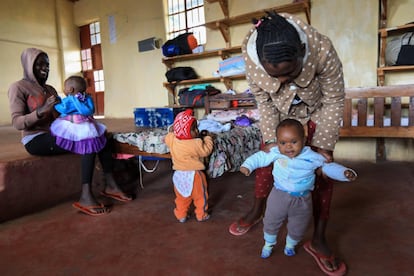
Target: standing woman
<point>294,72</point>
<point>32,103</point>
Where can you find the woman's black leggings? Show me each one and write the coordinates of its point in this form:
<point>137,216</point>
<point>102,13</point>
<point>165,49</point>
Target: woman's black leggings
<point>45,145</point>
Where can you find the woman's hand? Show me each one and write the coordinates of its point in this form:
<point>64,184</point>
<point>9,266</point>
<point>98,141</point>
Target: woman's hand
<point>328,154</point>
<point>47,107</point>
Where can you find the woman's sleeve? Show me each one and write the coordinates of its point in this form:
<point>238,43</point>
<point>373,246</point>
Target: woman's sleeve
<point>269,116</point>
<point>328,118</point>
<point>19,109</point>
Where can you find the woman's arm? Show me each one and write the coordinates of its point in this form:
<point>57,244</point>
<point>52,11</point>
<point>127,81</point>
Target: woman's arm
<point>269,115</point>
<point>28,109</point>
<point>328,118</point>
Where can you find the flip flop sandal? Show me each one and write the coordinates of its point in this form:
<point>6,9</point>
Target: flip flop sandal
<point>117,196</point>
<point>91,209</point>
<point>240,228</point>
<point>320,258</point>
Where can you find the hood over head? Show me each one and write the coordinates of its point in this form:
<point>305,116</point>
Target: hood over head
<point>28,58</point>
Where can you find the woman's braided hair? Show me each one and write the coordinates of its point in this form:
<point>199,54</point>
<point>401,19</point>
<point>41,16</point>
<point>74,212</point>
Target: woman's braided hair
<point>277,39</point>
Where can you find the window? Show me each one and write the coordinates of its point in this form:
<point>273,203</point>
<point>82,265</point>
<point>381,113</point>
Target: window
<point>98,77</point>
<point>92,65</point>
<point>95,32</point>
<point>186,16</point>
<point>86,58</point>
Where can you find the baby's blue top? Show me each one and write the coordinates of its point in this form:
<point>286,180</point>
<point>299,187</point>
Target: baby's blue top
<point>81,104</point>
<point>295,174</point>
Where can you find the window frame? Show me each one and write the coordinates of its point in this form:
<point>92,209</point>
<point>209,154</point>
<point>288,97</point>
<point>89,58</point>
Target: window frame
<point>181,19</point>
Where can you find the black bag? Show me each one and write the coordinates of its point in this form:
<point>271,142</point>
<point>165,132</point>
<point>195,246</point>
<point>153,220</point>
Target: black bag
<point>406,54</point>
<point>195,97</point>
<point>178,45</point>
<point>181,73</point>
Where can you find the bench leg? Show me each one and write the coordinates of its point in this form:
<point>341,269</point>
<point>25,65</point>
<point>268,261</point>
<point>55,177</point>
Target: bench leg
<point>380,150</point>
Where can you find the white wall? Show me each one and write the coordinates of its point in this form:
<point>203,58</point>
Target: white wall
<point>46,24</point>
<point>135,79</point>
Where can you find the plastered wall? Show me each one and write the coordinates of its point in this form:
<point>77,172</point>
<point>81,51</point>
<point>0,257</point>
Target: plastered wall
<point>134,79</point>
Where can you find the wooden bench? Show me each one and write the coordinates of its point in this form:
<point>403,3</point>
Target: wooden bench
<point>379,112</point>
<point>30,184</point>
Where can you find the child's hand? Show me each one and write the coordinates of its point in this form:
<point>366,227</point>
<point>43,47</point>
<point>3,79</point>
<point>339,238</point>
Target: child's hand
<point>48,106</point>
<point>203,133</point>
<point>245,171</point>
<point>351,175</point>
<point>208,133</point>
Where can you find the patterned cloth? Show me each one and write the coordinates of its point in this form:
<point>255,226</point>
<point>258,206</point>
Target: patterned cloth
<point>151,140</point>
<point>231,148</point>
<point>183,182</point>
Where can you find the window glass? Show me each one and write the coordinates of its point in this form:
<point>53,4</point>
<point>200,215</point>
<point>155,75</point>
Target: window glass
<point>186,16</point>
<point>86,59</point>
<point>98,76</point>
<point>95,31</point>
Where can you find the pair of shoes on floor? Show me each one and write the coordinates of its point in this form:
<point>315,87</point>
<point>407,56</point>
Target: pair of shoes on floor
<point>267,251</point>
<point>240,227</point>
<point>205,218</point>
<point>92,210</point>
<point>120,196</point>
<point>321,259</point>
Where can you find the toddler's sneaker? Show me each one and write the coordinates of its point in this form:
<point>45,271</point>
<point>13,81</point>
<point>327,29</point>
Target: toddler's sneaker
<point>289,251</point>
<point>266,251</point>
<point>182,220</point>
<point>205,218</point>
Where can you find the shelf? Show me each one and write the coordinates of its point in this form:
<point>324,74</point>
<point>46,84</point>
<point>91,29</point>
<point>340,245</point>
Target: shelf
<point>223,53</point>
<point>384,34</point>
<point>223,4</point>
<point>228,82</point>
<point>397,68</point>
<point>397,29</point>
<point>227,102</point>
<point>223,24</point>
<point>224,80</point>
<point>391,69</point>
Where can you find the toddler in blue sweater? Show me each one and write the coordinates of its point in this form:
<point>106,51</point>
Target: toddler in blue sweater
<point>294,167</point>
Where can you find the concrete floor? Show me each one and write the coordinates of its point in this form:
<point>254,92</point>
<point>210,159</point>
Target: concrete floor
<point>371,228</point>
